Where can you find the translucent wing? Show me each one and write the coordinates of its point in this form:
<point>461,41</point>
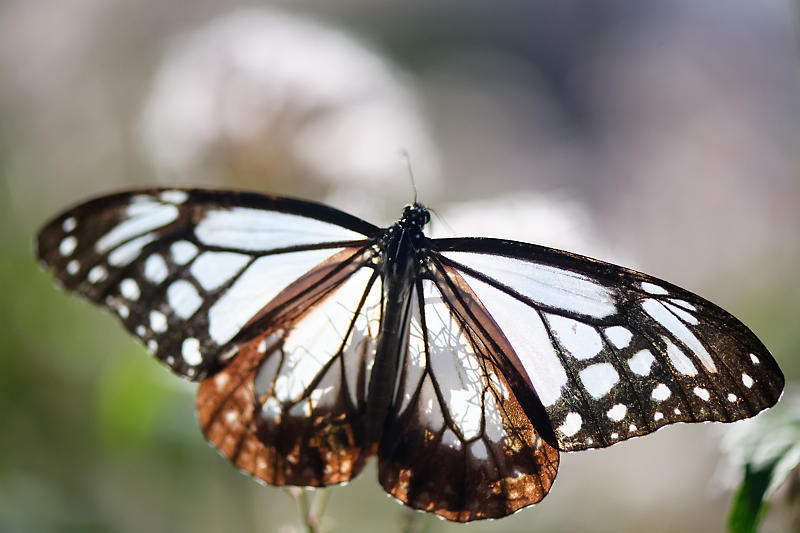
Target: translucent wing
<point>187,270</point>
<point>612,353</point>
<point>458,441</point>
<point>290,408</point>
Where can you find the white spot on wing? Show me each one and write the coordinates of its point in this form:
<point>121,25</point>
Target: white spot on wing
<point>259,230</point>
<point>683,303</point>
<point>662,315</point>
<point>96,274</point>
<point>126,253</point>
<point>581,340</point>
<point>599,379</point>
<point>183,252</point>
<point>619,336</point>
<point>641,362</point>
<point>451,440</point>
<point>69,224</point>
<point>183,298</point>
<point>679,359</point>
<point>747,380</point>
<point>702,393</point>
<point>732,397</point>
<point>546,285</point>
<point>754,359</point>
<point>67,245</point>
<point>214,269</point>
<point>661,392</point>
<point>129,289</point>
<point>73,267</point>
<point>652,288</point>
<point>572,424</point>
<point>428,405</point>
<point>190,351</point>
<point>271,410</point>
<point>145,215</point>
<point>158,322</point>
<point>617,412</point>
<point>173,196</point>
<point>658,416</point>
<point>478,450</point>
<point>123,311</point>
<point>681,313</point>
<point>155,269</point>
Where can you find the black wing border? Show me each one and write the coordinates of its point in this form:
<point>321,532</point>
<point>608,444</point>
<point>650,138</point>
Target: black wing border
<point>225,198</point>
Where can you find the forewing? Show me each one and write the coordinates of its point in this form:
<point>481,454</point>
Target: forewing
<point>185,270</point>
<point>457,441</point>
<point>613,353</point>
<point>290,408</point>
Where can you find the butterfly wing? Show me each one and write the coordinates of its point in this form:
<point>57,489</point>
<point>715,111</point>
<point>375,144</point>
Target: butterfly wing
<point>457,441</point>
<point>612,353</point>
<point>291,407</point>
<point>186,270</point>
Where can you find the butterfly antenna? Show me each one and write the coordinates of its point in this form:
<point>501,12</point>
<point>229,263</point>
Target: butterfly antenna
<point>441,219</point>
<point>407,159</point>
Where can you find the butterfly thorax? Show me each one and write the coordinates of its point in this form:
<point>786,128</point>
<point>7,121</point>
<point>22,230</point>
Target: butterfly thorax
<point>404,242</point>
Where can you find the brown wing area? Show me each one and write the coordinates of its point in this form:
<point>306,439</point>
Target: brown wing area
<point>457,441</point>
<point>289,408</point>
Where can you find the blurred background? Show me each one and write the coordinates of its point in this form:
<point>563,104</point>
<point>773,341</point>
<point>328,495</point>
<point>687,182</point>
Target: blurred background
<point>661,136</point>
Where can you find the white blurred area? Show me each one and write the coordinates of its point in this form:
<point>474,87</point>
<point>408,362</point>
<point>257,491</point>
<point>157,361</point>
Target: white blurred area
<point>293,99</point>
<point>546,219</point>
<point>662,138</point>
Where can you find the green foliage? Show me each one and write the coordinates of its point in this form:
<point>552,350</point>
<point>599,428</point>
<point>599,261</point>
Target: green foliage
<point>769,449</point>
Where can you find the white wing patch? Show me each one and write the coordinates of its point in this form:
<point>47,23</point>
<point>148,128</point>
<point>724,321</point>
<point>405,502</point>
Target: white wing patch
<point>543,284</point>
<point>415,356</point>
<point>599,379</point>
<point>528,336</point>
<point>359,352</point>
<point>258,230</point>
<point>145,214</point>
<point>125,254</point>
<point>581,340</point>
<point>662,315</point>
<point>641,362</point>
<point>183,252</point>
<point>255,287</point>
<point>318,337</point>
<point>183,298</point>
<point>213,269</point>
<point>155,269</point>
<point>454,363</point>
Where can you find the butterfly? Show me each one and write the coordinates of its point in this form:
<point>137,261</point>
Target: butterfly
<point>465,364</point>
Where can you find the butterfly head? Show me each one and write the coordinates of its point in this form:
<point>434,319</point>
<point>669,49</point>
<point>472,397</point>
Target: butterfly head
<point>416,214</point>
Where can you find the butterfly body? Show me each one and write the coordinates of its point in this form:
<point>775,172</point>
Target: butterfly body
<point>401,248</point>
<point>465,364</point>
